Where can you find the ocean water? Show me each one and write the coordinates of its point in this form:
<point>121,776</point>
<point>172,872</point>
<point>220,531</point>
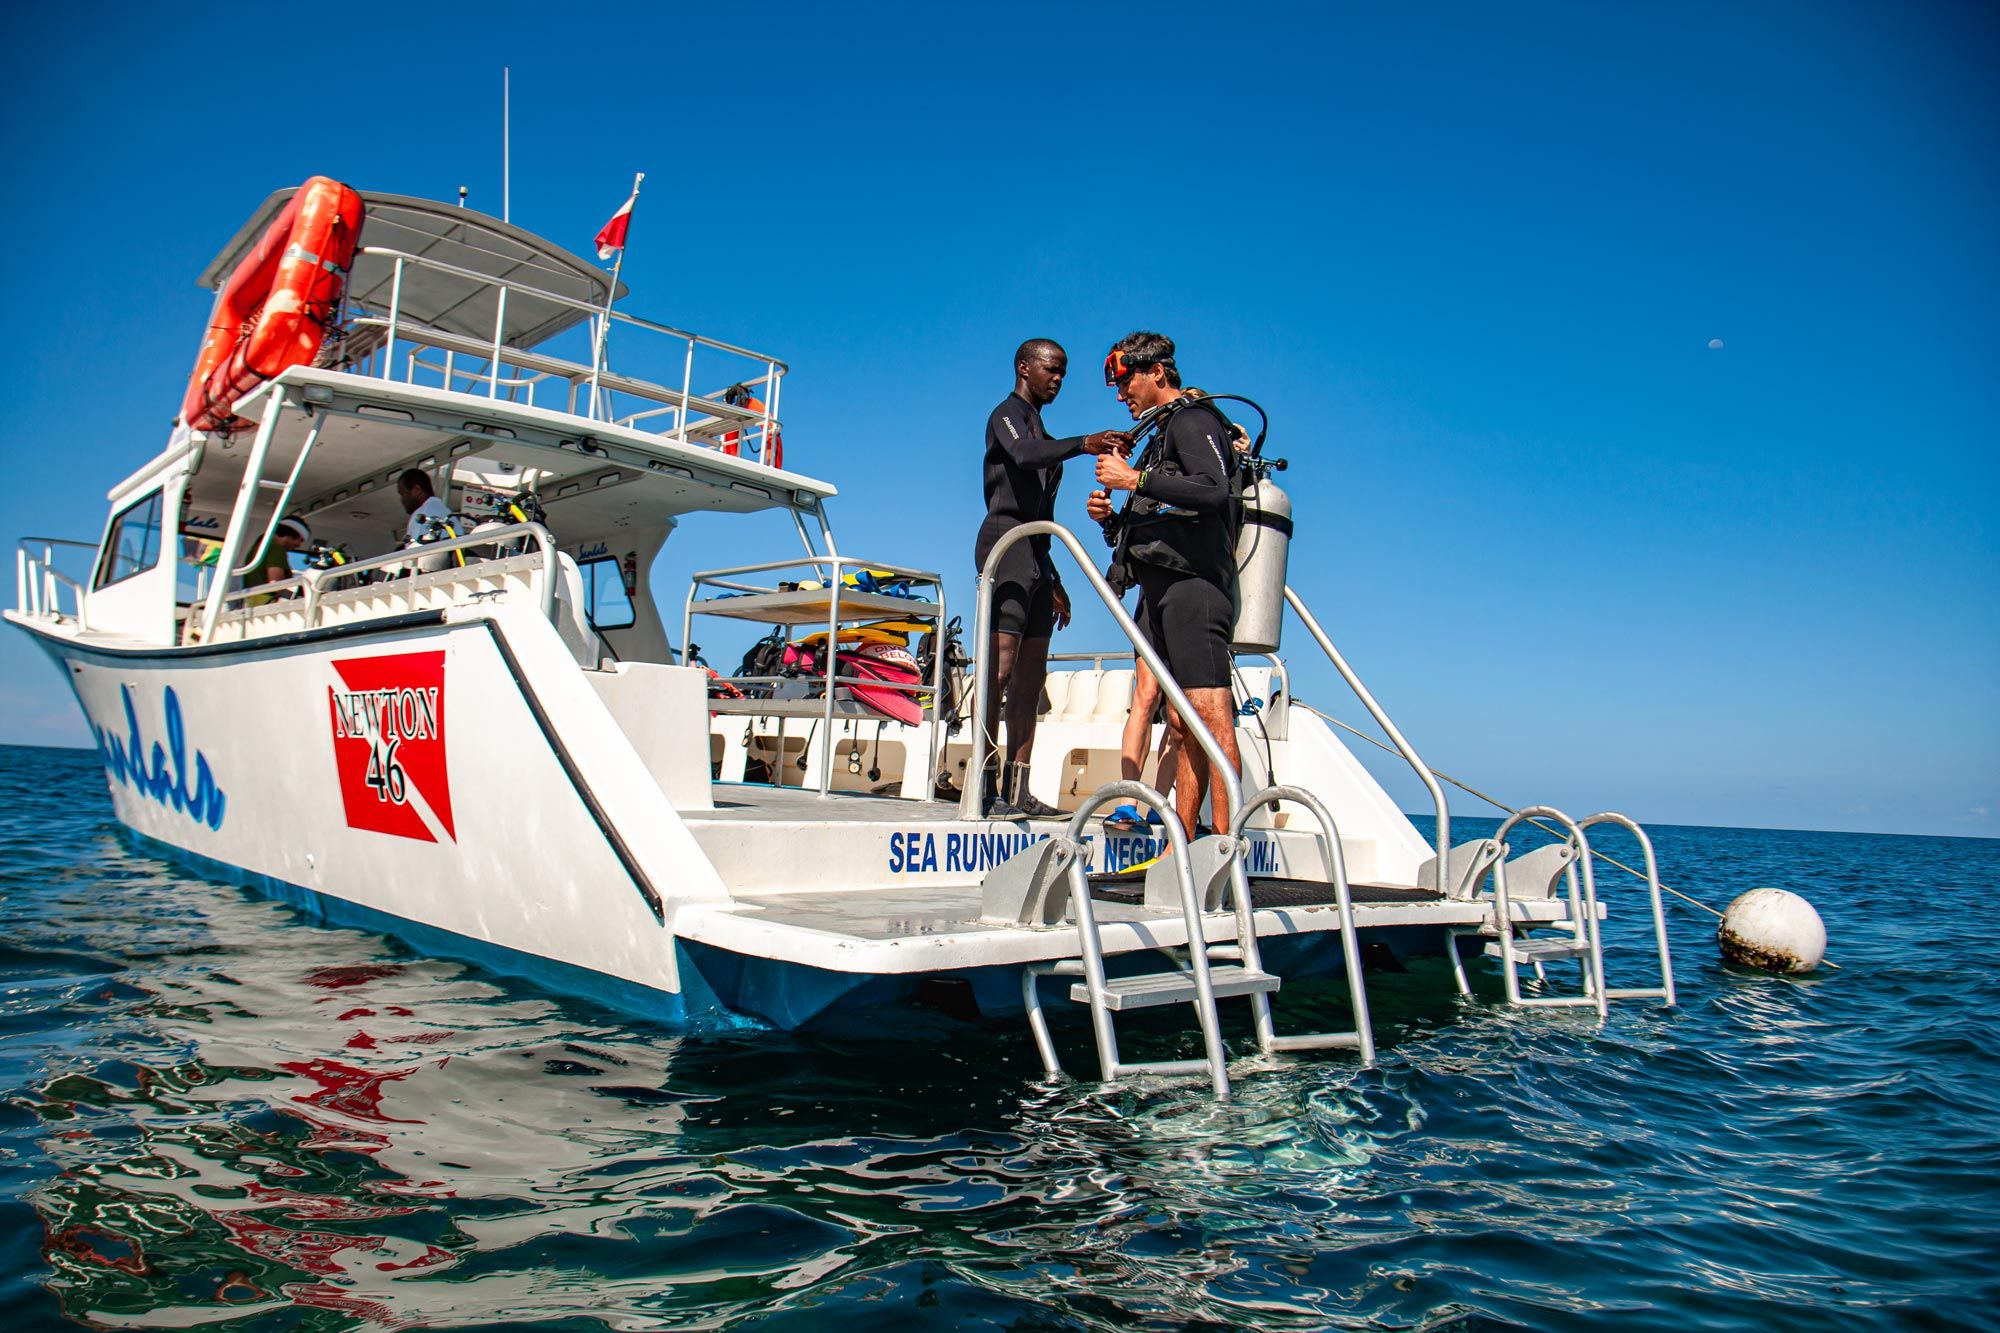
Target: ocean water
<point>216,1113</point>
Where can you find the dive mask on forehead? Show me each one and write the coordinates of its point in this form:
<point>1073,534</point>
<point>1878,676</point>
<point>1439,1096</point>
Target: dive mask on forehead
<point>1118,367</point>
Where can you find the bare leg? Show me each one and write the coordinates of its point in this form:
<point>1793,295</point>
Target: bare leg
<point>1167,773</point>
<point>1215,710</point>
<point>1138,737</point>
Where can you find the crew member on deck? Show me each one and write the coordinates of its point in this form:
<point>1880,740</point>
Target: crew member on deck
<point>273,564</point>
<point>420,502</point>
<point>1023,471</point>
<point>1179,546</point>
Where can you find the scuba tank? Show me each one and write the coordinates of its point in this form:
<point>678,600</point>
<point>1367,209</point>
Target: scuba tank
<point>1263,549</point>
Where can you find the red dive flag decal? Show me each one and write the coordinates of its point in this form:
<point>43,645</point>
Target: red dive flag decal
<point>388,745</point>
<point>612,237</point>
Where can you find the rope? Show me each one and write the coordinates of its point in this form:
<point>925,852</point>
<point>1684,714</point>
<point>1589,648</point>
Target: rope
<point>1502,805</point>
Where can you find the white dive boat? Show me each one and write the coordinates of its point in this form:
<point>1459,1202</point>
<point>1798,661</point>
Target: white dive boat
<point>492,747</point>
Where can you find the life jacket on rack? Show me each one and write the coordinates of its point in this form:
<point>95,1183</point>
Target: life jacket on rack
<point>739,395</point>
<point>279,304</point>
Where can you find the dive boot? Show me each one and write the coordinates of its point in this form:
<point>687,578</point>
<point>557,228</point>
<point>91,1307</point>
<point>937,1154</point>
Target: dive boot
<point>1025,803</point>
<point>997,806</point>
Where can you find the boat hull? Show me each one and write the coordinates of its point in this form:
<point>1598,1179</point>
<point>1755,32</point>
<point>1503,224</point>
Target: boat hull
<point>412,776</point>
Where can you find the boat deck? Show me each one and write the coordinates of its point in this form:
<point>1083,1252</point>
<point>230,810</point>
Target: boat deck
<point>860,923</point>
<point>752,802</point>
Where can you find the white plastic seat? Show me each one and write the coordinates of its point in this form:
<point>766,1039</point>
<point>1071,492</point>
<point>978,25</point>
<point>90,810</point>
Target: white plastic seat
<point>1057,686</point>
<point>1114,697</point>
<point>1082,697</point>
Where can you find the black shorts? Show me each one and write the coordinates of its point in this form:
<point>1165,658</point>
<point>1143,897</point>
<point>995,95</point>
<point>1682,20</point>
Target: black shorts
<point>1188,620</point>
<point>1027,609</point>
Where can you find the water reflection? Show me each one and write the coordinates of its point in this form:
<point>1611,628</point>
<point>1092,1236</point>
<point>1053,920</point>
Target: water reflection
<point>225,1116</point>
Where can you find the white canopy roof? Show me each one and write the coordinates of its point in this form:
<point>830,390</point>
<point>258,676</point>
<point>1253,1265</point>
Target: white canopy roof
<point>459,237</point>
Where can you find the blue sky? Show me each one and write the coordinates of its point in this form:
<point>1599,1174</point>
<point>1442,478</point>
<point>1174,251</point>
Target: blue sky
<point>1471,258</point>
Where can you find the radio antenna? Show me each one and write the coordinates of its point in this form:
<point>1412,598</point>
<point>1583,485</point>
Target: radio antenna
<point>506,147</point>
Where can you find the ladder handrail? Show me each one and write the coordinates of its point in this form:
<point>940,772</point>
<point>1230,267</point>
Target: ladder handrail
<point>1503,919</point>
<point>1403,747</point>
<point>1336,861</point>
<point>1093,951</point>
<point>1653,886</point>
<point>970,804</point>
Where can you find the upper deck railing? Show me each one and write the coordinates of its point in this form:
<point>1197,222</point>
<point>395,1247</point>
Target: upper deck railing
<point>392,344</point>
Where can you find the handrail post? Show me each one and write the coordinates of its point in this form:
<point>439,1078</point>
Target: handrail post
<point>1343,897</point>
<point>764,432</point>
<point>395,313</point>
<point>499,328</point>
<point>1222,771</point>
<point>1403,747</point>
<point>239,517</point>
<point>1191,914</point>
<point>687,387</point>
<point>1653,888</point>
<point>832,662</point>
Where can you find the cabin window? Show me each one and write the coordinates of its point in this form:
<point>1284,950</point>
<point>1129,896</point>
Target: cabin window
<point>605,600</point>
<point>133,544</point>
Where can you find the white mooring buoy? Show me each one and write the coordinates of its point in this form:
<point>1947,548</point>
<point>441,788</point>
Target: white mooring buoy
<point>1773,929</point>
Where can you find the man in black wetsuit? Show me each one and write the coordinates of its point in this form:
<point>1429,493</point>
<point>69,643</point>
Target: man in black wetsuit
<point>1023,470</point>
<point>1180,546</point>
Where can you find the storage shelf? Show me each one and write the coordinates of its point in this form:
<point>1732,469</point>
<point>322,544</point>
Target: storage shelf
<point>788,708</point>
<point>811,606</point>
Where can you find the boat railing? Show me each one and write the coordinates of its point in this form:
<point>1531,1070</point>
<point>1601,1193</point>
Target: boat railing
<point>1442,834</point>
<point>39,585</point>
<point>592,390</point>
<point>784,604</point>
<point>972,803</point>
<point>404,590</point>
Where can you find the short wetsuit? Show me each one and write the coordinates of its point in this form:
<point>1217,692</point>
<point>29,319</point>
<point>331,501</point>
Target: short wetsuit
<point>1182,548</point>
<point>1023,472</point>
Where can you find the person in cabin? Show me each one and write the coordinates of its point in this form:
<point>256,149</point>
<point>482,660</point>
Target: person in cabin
<point>1178,543</point>
<point>1023,469</point>
<point>421,503</point>
<point>273,563</point>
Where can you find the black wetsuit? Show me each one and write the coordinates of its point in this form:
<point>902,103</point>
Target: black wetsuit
<point>1182,547</point>
<point>1023,472</point>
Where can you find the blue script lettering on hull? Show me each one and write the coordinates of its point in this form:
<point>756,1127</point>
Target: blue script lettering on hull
<point>165,778</point>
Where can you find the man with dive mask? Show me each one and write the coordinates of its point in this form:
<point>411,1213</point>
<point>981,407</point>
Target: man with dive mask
<point>1178,543</point>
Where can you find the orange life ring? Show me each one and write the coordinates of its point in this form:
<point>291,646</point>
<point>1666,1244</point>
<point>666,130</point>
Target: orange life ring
<point>274,311</point>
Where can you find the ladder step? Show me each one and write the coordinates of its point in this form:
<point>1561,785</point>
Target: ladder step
<point>1531,950</point>
<point>1317,1041</point>
<point>1160,1067</point>
<point>1156,988</point>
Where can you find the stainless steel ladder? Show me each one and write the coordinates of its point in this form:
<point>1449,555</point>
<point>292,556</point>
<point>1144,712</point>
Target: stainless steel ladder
<point>1208,971</point>
<point>1575,936</point>
<point>1362,1038</point>
<point>1024,893</point>
<point>1197,984</point>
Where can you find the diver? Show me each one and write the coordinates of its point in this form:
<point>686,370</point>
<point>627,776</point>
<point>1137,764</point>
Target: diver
<point>1178,541</point>
<point>1023,470</point>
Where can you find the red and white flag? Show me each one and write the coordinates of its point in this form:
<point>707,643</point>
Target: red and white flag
<point>612,237</point>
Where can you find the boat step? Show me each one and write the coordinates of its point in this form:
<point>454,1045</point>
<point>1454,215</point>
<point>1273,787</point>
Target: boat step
<point>1541,950</point>
<point>1156,988</point>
